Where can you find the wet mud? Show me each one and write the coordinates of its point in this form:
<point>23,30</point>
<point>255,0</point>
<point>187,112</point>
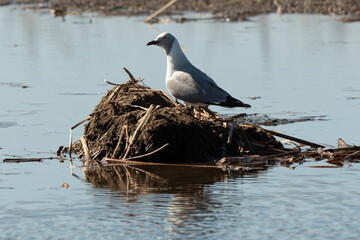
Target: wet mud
<point>232,10</point>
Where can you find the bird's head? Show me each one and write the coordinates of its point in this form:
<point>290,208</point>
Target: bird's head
<point>164,40</point>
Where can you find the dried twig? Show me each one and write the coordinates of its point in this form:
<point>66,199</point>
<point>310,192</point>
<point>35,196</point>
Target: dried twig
<point>95,154</point>
<point>353,155</point>
<point>108,82</point>
<point>255,158</point>
<point>141,107</point>
<point>142,123</point>
<point>130,75</point>
<point>72,128</point>
<point>113,93</point>
<point>119,142</point>
<point>294,139</point>
<point>141,156</point>
<point>291,142</point>
<point>18,160</point>
<point>127,139</point>
<point>85,147</point>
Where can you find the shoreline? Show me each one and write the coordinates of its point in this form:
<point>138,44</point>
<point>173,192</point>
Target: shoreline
<point>231,10</point>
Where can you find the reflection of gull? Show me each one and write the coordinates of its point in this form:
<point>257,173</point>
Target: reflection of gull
<point>186,82</point>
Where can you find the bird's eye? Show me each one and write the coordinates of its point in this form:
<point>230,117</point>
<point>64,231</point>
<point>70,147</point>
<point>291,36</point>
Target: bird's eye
<point>164,37</point>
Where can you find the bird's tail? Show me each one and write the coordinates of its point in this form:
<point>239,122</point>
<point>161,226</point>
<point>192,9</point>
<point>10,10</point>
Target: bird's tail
<point>233,102</point>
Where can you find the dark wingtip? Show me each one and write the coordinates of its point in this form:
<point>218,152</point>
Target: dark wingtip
<point>233,102</point>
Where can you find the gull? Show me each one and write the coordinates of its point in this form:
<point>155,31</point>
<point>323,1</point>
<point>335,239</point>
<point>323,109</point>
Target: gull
<point>188,83</point>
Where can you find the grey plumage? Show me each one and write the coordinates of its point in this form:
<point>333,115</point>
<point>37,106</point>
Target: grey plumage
<point>188,83</point>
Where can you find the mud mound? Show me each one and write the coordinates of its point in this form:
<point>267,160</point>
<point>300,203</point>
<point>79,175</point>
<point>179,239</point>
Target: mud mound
<point>133,120</point>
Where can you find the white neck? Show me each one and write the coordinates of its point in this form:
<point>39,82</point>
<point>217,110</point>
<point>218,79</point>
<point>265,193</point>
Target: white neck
<point>176,59</point>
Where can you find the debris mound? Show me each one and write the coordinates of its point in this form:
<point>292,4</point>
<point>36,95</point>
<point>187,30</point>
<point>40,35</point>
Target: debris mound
<point>133,121</point>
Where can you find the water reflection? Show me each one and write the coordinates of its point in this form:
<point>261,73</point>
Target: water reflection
<point>298,64</point>
<point>183,191</point>
<point>157,179</point>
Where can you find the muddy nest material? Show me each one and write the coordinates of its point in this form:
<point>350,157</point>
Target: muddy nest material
<point>133,120</point>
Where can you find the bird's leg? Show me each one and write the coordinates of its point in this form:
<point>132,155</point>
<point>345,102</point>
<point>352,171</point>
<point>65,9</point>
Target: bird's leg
<point>199,108</point>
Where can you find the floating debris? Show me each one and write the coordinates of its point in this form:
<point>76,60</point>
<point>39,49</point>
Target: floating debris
<point>355,18</point>
<point>58,11</point>
<point>18,160</point>
<point>21,160</point>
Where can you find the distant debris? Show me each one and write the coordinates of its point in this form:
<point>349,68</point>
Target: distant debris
<point>227,11</point>
<point>58,11</point>
<point>4,2</point>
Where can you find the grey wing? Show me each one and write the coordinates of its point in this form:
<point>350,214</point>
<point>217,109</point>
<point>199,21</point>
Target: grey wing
<point>193,86</point>
<point>210,92</point>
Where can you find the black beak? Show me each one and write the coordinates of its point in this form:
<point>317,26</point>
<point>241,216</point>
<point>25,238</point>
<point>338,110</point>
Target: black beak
<point>152,43</point>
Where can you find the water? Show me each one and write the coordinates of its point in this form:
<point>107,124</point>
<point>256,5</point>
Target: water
<point>298,64</point>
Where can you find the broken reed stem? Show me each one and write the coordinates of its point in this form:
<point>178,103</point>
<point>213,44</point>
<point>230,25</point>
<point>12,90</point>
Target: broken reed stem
<point>126,140</point>
<point>130,75</point>
<point>144,155</point>
<point>170,98</point>
<point>294,139</point>
<point>141,107</point>
<point>79,123</point>
<point>160,10</point>
<point>117,84</point>
<point>355,154</point>
<point>291,142</point>
<point>95,154</point>
<point>119,142</point>
<point>112,95</point>
<point>72,128</point>
<point>18,160</point>
<point>85,147</point>
<point>70,143</point>
<point>111,83</point>
<point>142,123</point>
<point>250,159</point>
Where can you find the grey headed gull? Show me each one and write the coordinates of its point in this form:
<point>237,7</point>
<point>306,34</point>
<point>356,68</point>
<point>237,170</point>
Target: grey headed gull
<point>188,83</point>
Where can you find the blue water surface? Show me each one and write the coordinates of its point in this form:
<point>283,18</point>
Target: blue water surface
<point>52,75</point>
